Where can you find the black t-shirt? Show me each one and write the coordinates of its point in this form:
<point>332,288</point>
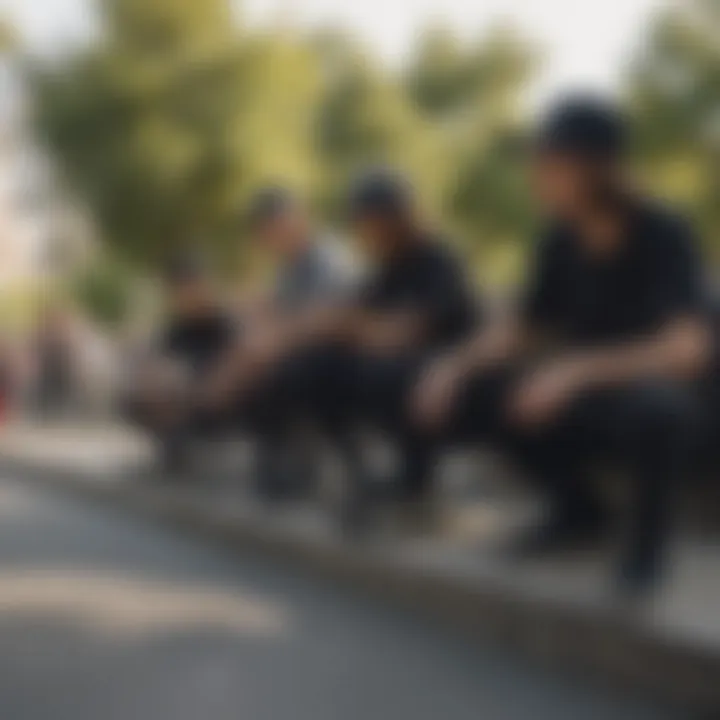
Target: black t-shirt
<point>429,280</point>
<point>198,341</point>
<point>654,276</point>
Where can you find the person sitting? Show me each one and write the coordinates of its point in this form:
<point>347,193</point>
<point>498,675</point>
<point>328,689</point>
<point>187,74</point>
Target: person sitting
<point>602,356</point>
<point>311,271</point>
<point>352,362</point>
<point>196,333</point>
<point>416,302</point>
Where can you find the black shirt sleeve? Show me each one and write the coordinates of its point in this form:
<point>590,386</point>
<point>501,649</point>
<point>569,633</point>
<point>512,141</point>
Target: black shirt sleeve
<point>442,297</point>
<point>432,285</point>
<point>543,303</point>
<point>680,283</point>
<point>448,300</point>
<point>199,341</point>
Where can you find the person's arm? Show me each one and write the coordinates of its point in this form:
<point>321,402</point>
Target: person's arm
<point>317,323</point>
<point>265,343</point>
<point>440,299</point>
<point>155,380</point>
<point>270,333</point>
<point>436,392</point>
<point>517,329</point>
<point>502,338</point>
<point>681,346</point>
<point>329,305</point>
<point>680,349</point>
<point>389,331</point>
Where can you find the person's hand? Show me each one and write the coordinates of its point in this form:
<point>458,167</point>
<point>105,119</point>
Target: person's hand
<point>388,335</point>
<point>215,392</point>
<point>435,393</point>
<point>262,345</point>
<point>258,350</point>
<point>546,392</point>
<point>225,381</point>
<point>164,392</point>
<point>379,339</point>
<point>159,383</point>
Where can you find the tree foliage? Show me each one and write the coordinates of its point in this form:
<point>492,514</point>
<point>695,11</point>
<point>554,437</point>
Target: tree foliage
<point>104,292</point>
<point>674,90</point>
<point>167,125</point>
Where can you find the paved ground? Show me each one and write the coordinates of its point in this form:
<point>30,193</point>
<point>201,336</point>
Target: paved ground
<point>107,616</point>
<point>686,610</point>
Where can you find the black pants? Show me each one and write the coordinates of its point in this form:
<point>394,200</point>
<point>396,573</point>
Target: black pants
<point>169,435</point>
<point>386,385</point>
<point>339,390</point>
<point>646,428</point>
<point>174,427</point>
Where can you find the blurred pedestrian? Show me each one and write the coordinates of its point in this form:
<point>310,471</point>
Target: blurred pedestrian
<point>197,331</point>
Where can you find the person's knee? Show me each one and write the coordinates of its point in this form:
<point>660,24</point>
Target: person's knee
<point>479,412</point>
<point>317,384</point>
<point>660,414</point>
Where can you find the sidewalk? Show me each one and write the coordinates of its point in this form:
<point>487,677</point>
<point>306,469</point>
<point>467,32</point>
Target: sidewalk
<point>560,612</point>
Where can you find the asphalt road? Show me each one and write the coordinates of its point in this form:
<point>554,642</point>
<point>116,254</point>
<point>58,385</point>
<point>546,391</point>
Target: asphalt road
<point>105,616</point>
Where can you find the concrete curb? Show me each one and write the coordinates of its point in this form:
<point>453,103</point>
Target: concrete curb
<point>601,643</point>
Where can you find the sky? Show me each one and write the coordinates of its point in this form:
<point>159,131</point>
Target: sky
<point>587,41</point>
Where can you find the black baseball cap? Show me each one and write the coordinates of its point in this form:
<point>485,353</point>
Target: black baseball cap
<point>269,204</point>
<point>585,126</point>
<point>380,191</point>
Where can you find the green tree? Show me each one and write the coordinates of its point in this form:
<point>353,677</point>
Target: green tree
<point>473,94</point>
<point>674,91</point>
<point>365,118</point>
<point>167,126</point>
<point>104,291</point>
